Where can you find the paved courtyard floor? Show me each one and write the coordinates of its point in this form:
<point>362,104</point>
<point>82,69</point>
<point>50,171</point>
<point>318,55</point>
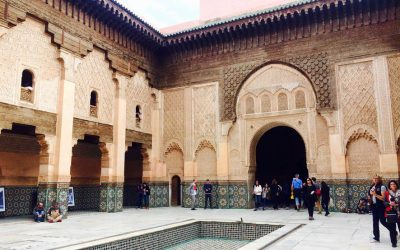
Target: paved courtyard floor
<point>337,231</point>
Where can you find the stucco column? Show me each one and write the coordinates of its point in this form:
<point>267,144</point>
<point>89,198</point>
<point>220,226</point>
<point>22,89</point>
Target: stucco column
<point>223,156</point>
<point>190,168</point>
<point>337,152</point>
<point>55,169</point>
<point>387,141</point>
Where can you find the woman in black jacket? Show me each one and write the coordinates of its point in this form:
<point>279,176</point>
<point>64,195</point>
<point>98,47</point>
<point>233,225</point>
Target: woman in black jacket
<point>310,197</point>
<point>325,197</point>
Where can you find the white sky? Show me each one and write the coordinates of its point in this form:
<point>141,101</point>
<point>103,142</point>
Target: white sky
<point>164,13</point>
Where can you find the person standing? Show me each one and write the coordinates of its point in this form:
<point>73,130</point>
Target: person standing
<point>265,195</point>
<point>377,192</point>
<point>146,195</point>
<point>325,197</point>
<point>310,197</point>
<point>139,197</point>
<point>318,194</point>
<point>257,191</point>
<point>297,186</point>
<point>207,188</point>
<point>193,193</point>
<point>392,210</point>
<point>275,192</point>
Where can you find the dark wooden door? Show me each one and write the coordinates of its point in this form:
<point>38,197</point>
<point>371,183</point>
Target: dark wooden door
<point>176,191</point>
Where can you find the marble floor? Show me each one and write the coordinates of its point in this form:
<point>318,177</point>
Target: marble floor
<point>337,231</point>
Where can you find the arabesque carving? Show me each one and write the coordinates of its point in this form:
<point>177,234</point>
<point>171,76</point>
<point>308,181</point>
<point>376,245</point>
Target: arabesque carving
<point>204,144</point>
<point>394,78</point>
<point>173,146</point>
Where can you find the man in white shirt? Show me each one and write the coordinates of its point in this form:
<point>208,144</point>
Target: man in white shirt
<point>257,191</point>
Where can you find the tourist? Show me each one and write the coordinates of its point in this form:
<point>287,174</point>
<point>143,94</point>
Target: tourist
<point>391,213</point>
<point>38,213</point>
<point>207,188</point>
<point>285,195</point>
<point>146,195</point>
<point>265,195</point>
<point>325,197</point>
<point>297,186</point>
<point>193,193</point>
<point>257,191</point>
<point>139,197</point>
<point>54,213</point>
<point>318,193</point>
<point>377,192</point>
<point>275,192</point>
<point>362,206</point>
<point>310,197</point>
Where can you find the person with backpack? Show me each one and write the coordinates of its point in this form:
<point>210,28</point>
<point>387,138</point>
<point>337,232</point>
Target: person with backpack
<point>391,212</point>
<point>377,194</point>
<point>297,186</point>
<point>318,194</point>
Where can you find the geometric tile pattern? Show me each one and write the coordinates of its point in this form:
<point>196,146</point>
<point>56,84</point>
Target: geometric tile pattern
<point>224,195</point>
<point>86,198</point>
<point>171,237</point>
<point>19,201</point>
<point>159,194</point>
<point>111,197</point>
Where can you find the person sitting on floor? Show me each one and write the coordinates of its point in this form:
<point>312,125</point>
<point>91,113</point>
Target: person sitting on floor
<point>38,213</point>
<point>54,214</point>
<point>362,207</point>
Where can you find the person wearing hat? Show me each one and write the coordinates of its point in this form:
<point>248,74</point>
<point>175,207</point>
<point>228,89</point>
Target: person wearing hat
<point>207,188</point>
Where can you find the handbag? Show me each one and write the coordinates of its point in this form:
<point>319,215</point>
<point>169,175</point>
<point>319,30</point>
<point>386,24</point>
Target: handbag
<point>391,216</point>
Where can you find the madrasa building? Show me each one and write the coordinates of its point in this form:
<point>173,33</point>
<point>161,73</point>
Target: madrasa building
<point>94,98</point>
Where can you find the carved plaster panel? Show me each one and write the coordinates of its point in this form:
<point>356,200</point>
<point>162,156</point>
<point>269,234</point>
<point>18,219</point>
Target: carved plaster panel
<point>138,92</point>
<point>94,74</point>
<point>357,97</point>
<point>174,119</point>
<point>27,46</point>
<point>394,78</point>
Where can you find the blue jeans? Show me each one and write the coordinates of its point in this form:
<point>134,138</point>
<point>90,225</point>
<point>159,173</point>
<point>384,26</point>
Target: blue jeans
<point>146,201</point>
<point>257,201</point>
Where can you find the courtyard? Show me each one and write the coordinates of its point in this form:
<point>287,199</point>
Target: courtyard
<point>337,231</point>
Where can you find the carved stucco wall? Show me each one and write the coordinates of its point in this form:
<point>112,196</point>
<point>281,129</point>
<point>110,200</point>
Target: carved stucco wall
<point>174,117</point>
<point>323,151</point>
<point>94,74</point>
<point>362,158</point>
<point>27,46</point>
<point>206,160</point>
<point>394,78</point>
<point>174,160</point>
<point>138,92</point>
<point>205,108</point>
<point>357,98</point>
<point>315,66</point>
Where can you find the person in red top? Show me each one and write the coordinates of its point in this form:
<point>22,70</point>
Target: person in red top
<point>392,206</point>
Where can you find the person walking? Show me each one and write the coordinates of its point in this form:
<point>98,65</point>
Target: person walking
<point>318,194</point>
<point>275,192</point>
<point>377,192</point>
<point>392,210</point>
<point>257,191</point>
<point>146,195</point>
<point>310,197</point>
<point>325,197</point>
<point>207,188</point>
<point>297,186</point>
<point>193,193</point>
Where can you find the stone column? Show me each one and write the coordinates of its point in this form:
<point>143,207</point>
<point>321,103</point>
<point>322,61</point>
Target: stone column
<point>223,156</point>
<point>54,176</point>
<point>190,168</point>
<point>113,161</point>
<point>387,141</point>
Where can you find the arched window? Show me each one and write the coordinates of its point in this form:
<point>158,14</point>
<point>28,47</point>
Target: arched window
<point>93,103</point>
<point>282,102</point>
<point>138,116</point>
<point>27,86</point>
<point>249,105</point>
<point>300,100</point>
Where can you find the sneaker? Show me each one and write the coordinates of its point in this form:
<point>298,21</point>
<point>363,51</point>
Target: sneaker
<point>326,214</point>
<point>373,240</point>
<point>193,208</point>
<point>311,218</point>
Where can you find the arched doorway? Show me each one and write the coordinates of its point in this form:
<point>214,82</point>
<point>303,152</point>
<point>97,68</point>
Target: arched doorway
<point>280,153</point>
<point>175,191</point>
<point>133,174</point>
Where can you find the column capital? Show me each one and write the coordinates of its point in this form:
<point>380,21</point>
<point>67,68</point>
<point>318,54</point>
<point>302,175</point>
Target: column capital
<point>70,63</point>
